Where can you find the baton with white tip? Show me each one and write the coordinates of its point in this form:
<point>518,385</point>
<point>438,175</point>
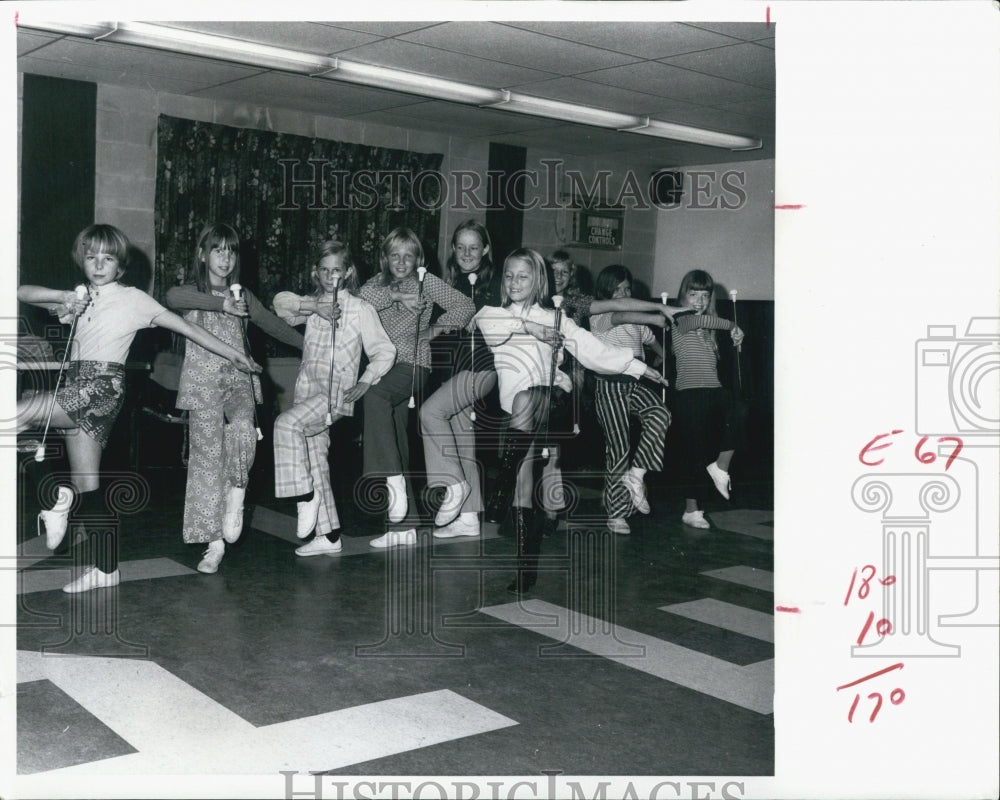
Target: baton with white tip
<point>739,373</point>
<point>421,272</point>
<point>237,292</point>
<point>81,293</point>
<point>333,350</point>
<point>557,301</point>
<point>473,277</point>
<point>663,358</point>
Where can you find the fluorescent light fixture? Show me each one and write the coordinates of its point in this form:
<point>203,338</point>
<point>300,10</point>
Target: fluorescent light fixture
<point>262,56</point>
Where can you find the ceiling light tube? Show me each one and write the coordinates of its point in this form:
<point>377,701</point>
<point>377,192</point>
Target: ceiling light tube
<point>224,48</point>
<point>193,43</point>
<point>686,133</point>
<point>412,83</point>
<point>566,112</point>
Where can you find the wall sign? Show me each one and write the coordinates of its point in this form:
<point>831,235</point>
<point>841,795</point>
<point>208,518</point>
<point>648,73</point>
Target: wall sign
<point>599,228</point>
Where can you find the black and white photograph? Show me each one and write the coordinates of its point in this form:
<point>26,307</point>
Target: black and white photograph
<point>501,400</point>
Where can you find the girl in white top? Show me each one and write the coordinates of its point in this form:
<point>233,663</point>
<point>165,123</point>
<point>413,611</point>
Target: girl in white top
<point>521,335</point>
<point>109,316</point>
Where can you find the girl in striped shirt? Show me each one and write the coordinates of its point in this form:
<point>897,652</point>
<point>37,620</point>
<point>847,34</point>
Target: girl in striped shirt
<point>703,409</point>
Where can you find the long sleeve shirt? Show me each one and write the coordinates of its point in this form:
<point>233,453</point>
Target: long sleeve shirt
<point>188,298</point>
<point>523,361</point>
<point>696,351</point>
<point>357,329</point>
<point>205,376</point>
<point>403,327</point>
<point>456,349</point>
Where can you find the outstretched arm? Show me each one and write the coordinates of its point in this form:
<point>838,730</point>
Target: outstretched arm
<point>634,305</point>
<point>56,300</point>
<point>198,335</point>
<point>639,318</point>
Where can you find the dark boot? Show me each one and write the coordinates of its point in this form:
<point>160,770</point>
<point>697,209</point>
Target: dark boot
<point>515,447</point>
<point>529,546</point>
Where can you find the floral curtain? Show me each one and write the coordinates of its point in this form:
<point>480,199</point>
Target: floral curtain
<point>284,194</point>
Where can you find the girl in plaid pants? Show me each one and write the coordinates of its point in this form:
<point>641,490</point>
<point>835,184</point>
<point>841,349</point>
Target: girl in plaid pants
<point>326,389</point>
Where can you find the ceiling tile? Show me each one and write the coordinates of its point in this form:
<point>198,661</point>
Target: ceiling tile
<point>413,57</point>
<point>510,45</point>
<point>748,31</point>
<point>744,63</point>
<point>311,37</point>
<point>383,29</point>
<point>28,41</point>
<point>136,65</point>
<point>641,39</point>
<point>677,84</point>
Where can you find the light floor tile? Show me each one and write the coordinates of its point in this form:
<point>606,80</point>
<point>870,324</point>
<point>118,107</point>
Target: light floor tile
<point>750,687</point>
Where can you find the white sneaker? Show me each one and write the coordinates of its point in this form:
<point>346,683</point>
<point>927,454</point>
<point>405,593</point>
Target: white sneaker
<point>211,557</point>
<point>320,546</point>
<point>57,519</point>
<point>406,538</point>
<point>396,485</point>
<point>93,578</point>
<point>454,496</point>
<point>618,525</point>
<point>232,522</point>
<point>637,490</point>
<point>696,519</point>
<point>720,478</point>
<point>460,527</point>
<point>308,513</point>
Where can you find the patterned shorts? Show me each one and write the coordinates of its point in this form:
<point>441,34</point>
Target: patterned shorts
<point>92,394</point>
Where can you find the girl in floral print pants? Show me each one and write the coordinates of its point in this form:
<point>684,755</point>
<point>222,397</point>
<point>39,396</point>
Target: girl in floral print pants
<point>220,399</point>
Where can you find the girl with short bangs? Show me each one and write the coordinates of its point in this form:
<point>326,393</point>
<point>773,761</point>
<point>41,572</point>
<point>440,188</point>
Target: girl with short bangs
<point>87,404</point>
<point>703,410</point>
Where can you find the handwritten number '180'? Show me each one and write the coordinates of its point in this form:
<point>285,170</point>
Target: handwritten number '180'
<point>864,588</point>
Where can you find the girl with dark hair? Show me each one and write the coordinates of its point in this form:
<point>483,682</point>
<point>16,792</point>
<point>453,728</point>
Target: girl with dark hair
<point>617,397</point>
<point>108,317</point>
<point>220,401</point>
<point>521,332</point>
<point>703,409</point>
<point>339,326</point>
<point>446,423</point>
<point>404,304</point>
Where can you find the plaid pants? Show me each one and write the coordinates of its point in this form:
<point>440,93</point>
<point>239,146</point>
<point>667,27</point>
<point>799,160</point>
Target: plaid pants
<point>301,450</point>
<point>614,402</point>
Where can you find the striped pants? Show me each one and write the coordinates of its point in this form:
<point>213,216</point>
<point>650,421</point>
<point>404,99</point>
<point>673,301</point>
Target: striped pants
<point>301,463</point>
<point>614,402</point>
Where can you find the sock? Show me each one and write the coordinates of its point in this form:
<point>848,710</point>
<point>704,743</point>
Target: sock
<point>103,535</point>
<point>332,537</point>
<point>219,545</point>
<point>639,472</point>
